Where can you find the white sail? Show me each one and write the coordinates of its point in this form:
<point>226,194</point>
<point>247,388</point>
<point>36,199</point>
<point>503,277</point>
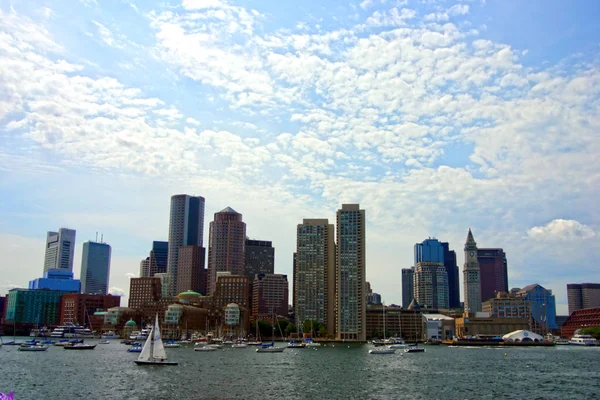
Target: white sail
<point>146,353</point>
<point>158,351</point>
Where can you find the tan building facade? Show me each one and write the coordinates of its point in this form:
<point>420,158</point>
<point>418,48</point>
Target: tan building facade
<point>399,322</point>
<point>507,305</point>
<point>472,326</point>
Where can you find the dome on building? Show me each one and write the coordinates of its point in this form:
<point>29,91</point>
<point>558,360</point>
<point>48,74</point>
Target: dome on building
<point>188,297</point>
<point>522,336</point>
<point>130,323</point>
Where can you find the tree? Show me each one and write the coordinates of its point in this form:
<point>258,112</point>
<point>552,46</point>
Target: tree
<point>265,329</point>
<point>322,330</point>
<point>283,324</point>
<point>289,329</point>
<point>594,331</point>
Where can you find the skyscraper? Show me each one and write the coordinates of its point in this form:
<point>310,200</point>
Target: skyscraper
<point>259,258</point>
<point>270,295</point>
<point>431,285</point>
<point>493,272</point>
<point>191,274</point>
<point>95,267</point>
<point>314,265</point>
<point>350,273</point>
<point>452,271</point>
<point>543,306</point>
<point>408,287</point>
<point>471,279</point>
<point>156,262</point>
<point>186,228</point>
<point>227,237</point>
<point>60,247</point>
<point>583,295</point>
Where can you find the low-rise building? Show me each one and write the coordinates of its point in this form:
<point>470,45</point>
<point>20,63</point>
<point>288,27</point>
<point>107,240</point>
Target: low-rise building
<point>579,319</point>
<point>507,305</point>
<point>28,308</point>
<point>488,326</point>
<point>77,308</point>
<point>437,327</point>
<point>399,322</point>
<point>57,279</point>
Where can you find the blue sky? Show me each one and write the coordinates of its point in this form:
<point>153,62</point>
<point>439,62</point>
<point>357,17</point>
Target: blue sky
<point>436,116</point>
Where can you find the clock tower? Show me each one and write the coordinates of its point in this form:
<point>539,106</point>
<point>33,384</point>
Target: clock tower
<point>471,276</point>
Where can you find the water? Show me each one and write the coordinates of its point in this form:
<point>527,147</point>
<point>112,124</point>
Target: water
<point>339,372</point>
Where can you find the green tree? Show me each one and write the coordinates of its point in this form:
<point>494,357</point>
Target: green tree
<point>289,329</point>
<point>594,331</point>
<point>322,330</point>
<point>265,329</point>
<point>283,324</point>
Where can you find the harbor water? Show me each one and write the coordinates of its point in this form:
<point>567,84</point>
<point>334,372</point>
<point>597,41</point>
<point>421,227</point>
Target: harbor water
<point>332,372</point>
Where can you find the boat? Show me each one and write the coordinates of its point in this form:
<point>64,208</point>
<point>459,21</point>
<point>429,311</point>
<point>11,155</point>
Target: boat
<point>135,348</point>
<point>270,348</point>
<point>141,335</point>
<point>79,346</point>
<point>399,346</point>
<point>110,335</point>
<point>296,345</point>
<point>311,343</point>
<point>32,347</point>
<point>71,331</point>
<point>580,339</point>
<point>104,342</point>
<point>414,349</point>
<point>153,352</point>
<point>128,342</point>
<point>43,332</point>
<point>206,347</point>
<point>240,345</point>
<point>379,349</point>
<point>170,344</point>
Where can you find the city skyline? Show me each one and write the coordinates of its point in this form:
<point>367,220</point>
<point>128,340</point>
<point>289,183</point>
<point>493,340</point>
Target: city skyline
<point>434,117</point>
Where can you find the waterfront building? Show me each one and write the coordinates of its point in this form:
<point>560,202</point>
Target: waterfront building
<point>259,258</point>
<point>314,261</point>
<point>408,287</point>
<point>543,307</point>
<point>227,237</point>
<point>186,228</point>
<point>156,262</point>
<point>507,305</point>
<point>270,295</point>
<point>95,267</point>
<point>231,289</point>
<point>57,279</point>
<point>182,319</point>
<point>493,272</point>
<point>399,322</point>
<point>471,277</point>
<point>579,319</point>
<point>431,285</point>
<point>488,326</point>
<point>437,327</point>
<point>28,308</point>
<point>350,273</point>
<point>2,310</point>
<point>78,308</point>
<point>583,295</point>
<point>191,274</point>
<point>60,248</point>
<point>453,280</point>
<point>164,283</point>
<point>144,290</point>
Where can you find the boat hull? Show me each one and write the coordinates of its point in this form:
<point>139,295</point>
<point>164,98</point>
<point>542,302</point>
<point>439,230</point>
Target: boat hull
<point>32,348</point>
<point>138,362</point>
<point>86,347</point>
<point>271,350</point>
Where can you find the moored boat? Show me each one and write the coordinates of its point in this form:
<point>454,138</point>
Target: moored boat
<point>580,339</point>
<point>153,352</point>
<point>382,350</point>
<point>79,346</point>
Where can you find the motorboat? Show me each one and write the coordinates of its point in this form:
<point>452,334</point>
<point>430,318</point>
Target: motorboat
<point>141,335</point>
<point>153,352</point>
<point>135,348</point>
<point>270,348</point>
<point>382,350</point>
<point>79,346</point>
<point>110,335</point>
<point>296,345</point>
<point>254,343</point>
<point>397,346</point>
<point>170,344</point>
<point>310,343</point>
<point>208,347</point>
<point>414,349</point>
<point>32,347</point>
<point>240,345</point>
<point>71,331</point>
<point>43,332</point>
<point>104,342</point>
<point>580,339</point>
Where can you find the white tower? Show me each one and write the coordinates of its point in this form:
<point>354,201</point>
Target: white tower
<point>471,277</point>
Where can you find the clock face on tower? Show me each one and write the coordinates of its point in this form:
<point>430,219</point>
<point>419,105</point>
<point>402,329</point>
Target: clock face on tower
<point>471,253</point>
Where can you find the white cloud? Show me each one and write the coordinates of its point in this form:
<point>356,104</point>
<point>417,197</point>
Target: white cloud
<point>562,229</point>
<point>202,4</point>
<point>108,37</point>
<point>458,9</point>
<point>367,4</point>
<point>192,121</point>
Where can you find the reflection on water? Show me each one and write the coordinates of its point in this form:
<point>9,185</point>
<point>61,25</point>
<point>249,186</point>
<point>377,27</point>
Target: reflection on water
<point>343,371</point>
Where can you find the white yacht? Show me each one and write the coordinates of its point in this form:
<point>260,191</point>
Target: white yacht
<point>141,335</point>
<point>71,331</point>
<point>110,335</point>
<point>583,340</point>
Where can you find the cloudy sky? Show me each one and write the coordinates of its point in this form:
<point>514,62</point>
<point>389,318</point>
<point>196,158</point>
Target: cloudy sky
<point>435,116</point>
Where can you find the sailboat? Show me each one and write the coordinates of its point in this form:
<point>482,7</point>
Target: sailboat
<point>383,349</point>
<point>153,352</point>
<point>270,347</point>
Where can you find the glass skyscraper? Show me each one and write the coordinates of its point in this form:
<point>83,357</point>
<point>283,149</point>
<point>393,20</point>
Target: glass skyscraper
<point>60,248</point>
<point>432,250</point>
<point>95,267</point>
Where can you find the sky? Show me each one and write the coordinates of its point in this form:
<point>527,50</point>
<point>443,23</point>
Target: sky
<point>436,116</point>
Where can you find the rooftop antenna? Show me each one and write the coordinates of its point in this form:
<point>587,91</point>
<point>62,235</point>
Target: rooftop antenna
<point>102,238</point>
<point>96,236</point>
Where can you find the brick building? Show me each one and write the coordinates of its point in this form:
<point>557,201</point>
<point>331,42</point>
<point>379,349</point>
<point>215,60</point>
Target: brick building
<point>78,308</point>
<point>270,295</point>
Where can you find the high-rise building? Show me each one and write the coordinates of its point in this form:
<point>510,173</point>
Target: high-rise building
<point>231,289</point>
<point>143,291</point>
<point>430,250</point>
<point>408,287</point>
<point>227,237</point>
<point>191,274</point>
<point>259,258</point>
<point>582,296</point>
<point>493,272</point>
<point>350,273</point>
<point>315,273</point>
<point>471,278</point>
<point>543,306</point>
<point>95,267</point>
<point>60,248</point>
<point>431,285</point>
<point>270,295</point>
<point>453,280</point>
<point>186,228</point>
<point>156,262</point>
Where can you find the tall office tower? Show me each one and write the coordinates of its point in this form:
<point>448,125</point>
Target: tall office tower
<point>156,262</point>
<point>452,271</point>
<point>493,272</point>
<point>471,279</point>
<point>270,295</point>
<point>227,237</point>
<point>186,228</point>
<point>294,283</point>
<point>95,267</point>
<point>583,295</point>
<point>60,247</point>
<point>543,306</point>
<point>191,274</point>
<point>259,258</point>
<point>350,269</point>
<point>314,265</point>
<point>431,285</point>
<point>143,291</point>
<point>432,250</point>
<point>408,287</point>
